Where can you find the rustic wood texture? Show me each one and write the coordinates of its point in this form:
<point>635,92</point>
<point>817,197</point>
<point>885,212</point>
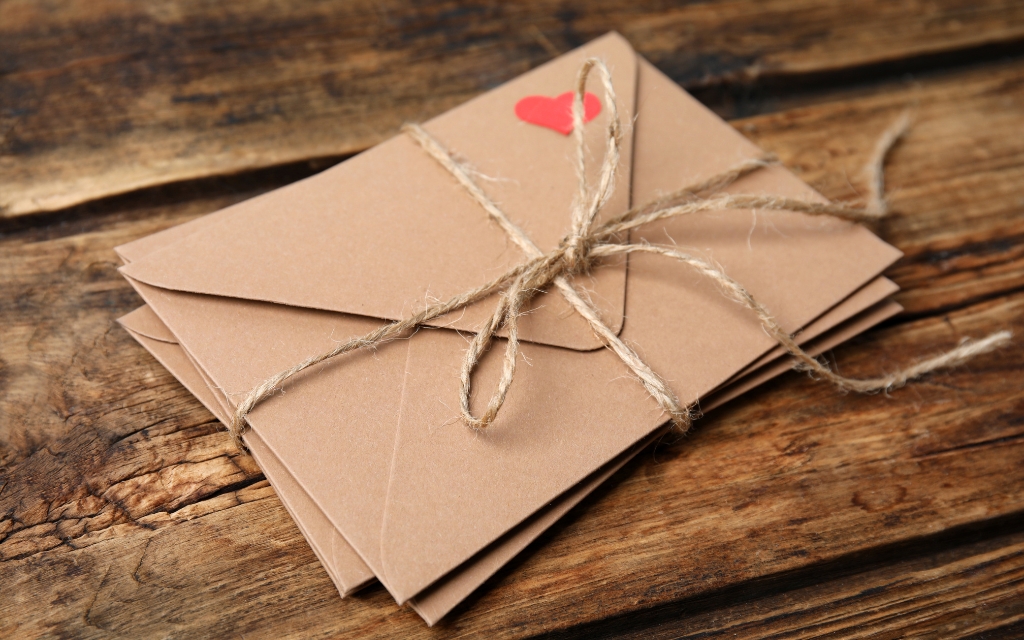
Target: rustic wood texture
<point>794,511</point>
<point>936,595</point>
<point>99,97</point>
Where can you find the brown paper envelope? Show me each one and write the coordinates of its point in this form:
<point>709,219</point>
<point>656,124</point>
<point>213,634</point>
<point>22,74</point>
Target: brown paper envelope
<point>348,572</point>
<point>340,561</point>
<point>354,238</point>
<point>442,597</point>
<point>810,329</point>
<point>819,261</point>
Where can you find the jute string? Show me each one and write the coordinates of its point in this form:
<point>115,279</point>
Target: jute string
<point>588,243</point>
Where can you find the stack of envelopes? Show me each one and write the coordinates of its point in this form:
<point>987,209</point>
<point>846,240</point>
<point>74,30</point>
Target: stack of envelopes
<point>367,451</point>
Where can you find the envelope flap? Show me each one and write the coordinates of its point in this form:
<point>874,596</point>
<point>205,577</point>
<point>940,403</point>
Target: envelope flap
<point>389,231</point>
<point>143,321</point>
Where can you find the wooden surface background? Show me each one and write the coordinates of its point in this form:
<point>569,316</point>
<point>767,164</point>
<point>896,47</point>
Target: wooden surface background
<point>792,512</point>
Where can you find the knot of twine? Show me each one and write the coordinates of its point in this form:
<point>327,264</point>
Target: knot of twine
<point>588,243</point>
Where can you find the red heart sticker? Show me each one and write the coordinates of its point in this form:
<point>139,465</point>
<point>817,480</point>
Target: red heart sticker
<point>556,113</point>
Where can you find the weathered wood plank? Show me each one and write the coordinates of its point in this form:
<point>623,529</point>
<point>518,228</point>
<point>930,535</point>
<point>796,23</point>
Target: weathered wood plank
<point>123,510</point>
<point>965,591</point>
<point>60,291</point>
<point>102,97</point>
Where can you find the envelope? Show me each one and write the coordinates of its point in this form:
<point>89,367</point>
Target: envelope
<point>860,311</point>
<point>340,561</point>
<point>372,438</point>
<point>853,316</point>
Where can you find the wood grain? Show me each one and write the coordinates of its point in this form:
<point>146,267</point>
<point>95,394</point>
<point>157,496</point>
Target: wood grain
<point>99,97</point>
<point>971,590</point>
<point>124,510</point>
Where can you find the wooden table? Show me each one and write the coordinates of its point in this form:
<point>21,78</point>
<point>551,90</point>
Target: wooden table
<point>794,511</point>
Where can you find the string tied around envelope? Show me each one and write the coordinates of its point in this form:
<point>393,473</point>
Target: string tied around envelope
<point>589,242</point>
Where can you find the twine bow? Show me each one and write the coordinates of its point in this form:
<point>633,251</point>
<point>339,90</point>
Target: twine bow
<point>588,243</point>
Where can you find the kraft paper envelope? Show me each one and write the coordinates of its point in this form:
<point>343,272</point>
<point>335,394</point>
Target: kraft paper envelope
<point>372,438</point>
<point>854,315</point>
<point>340,561</point>
<point>342,564</point>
